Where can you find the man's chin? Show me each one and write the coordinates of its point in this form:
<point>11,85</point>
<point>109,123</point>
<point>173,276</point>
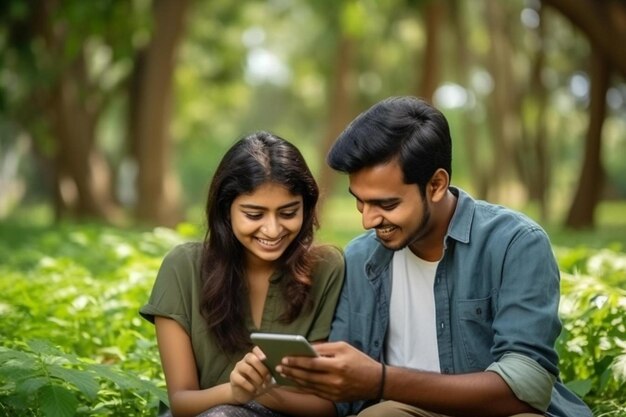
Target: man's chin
<point>394,246</point>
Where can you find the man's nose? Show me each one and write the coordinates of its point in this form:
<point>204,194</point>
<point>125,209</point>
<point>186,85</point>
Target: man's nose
<point>370,216</point>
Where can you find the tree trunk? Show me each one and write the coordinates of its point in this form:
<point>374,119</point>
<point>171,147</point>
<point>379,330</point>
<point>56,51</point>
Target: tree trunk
<point>339,109</point>
<point>590,184</point>
<point>539,172</point>
<point>433,18</point>
<point>504,103</point>
<point>464,64</point>
<point>157,188</point>
<point>83,174</point>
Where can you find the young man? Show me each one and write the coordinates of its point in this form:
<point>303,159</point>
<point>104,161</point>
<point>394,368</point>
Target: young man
<point>450,305</point>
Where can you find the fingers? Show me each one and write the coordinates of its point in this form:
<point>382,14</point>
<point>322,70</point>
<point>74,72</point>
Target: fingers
<point>330,348</point>
<point>321,363</point>
<point>259,353</point>
<point>322,384</point>
<point>250,373</point>
<point>341,372</point>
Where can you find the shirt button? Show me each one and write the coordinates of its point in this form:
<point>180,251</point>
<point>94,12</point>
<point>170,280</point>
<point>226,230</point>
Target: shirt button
<point>479,311</point>
<point>442,325</point>
<point>376,343</point>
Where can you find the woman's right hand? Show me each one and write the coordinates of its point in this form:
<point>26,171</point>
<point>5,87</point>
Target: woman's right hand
<point>250,378</point>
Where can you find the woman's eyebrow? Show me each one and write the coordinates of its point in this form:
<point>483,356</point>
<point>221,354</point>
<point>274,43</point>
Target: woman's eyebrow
<point>257,207</point>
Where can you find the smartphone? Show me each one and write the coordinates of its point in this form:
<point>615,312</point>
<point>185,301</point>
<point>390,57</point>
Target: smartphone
<point>276,346</point>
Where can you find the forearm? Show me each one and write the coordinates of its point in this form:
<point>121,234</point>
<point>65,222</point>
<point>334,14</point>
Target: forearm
<point>185,403</point>
<point>297,404</point>
<point>481,393</point>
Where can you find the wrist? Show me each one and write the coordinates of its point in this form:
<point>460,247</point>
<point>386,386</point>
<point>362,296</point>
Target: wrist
<point>381,385</point>
<point>231,397</point>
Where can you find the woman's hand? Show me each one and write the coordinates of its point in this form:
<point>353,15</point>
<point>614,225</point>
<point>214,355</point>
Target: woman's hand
<point>250,378</point>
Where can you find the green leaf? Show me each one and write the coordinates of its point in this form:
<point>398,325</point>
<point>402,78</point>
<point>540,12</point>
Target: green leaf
<point>7,354</point>
<point>44,347</point>
<point>580,387</point>
<point>107,372</point>
<point>57,401</point>
<point>16,373</point>
<point>30,385</point>
<point>85,381</point>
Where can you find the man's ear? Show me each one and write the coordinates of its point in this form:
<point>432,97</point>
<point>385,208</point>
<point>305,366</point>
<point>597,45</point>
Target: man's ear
<point>438,185</point>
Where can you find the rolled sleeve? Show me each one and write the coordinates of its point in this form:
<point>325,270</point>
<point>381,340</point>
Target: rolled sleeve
<point>527,320</point>
<point>170,296</point>
<point>528,380</point>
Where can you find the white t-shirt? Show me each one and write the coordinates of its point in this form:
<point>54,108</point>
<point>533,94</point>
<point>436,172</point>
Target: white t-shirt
<point>412,335</point>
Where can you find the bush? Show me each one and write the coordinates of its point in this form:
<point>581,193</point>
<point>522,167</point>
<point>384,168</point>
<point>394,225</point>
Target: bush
<point>592,346</point>
<point>73,343</point>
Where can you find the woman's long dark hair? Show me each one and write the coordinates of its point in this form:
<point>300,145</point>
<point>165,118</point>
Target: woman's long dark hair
<point>249,163</point>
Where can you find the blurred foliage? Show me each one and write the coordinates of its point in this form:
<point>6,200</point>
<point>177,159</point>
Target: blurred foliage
<point>250,65</point>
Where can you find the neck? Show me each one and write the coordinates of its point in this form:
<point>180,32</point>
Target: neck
<point>430,247</point>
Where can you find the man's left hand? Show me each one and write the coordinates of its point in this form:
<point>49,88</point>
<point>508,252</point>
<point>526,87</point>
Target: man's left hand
<point>341,373</point>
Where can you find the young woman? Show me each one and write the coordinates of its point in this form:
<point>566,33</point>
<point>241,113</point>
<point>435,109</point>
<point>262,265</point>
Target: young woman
<point>257,270</point>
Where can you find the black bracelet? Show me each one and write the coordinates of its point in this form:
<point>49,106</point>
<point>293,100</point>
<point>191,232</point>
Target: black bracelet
<point>381,389</point>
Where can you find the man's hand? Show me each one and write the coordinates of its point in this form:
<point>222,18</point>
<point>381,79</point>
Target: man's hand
<point>250,378</point>
<point>341,372</point>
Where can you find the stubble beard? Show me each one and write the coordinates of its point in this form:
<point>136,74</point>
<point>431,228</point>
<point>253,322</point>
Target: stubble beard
<point>421,231</point>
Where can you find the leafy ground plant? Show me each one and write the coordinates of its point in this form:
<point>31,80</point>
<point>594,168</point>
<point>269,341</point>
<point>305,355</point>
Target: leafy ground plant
<point>41,379</point>
<point>592,346</point>
<point>72,341</point>
<point>73,344</point>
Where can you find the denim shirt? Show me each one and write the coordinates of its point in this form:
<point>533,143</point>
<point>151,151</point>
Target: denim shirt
<point>496,298</point>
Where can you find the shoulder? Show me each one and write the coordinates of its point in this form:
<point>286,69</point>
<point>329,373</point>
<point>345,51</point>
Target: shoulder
<point>365,242</point>
<point>479,215</point>
<point>185,251</point>
<point>492,217</point>
<point>326,253</point>
<point>326,259</point>
<point>364,247</point>
<point>184,256</point>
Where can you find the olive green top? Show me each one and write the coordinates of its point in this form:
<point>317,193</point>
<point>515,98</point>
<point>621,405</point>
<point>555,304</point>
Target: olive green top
<point>176,295</point>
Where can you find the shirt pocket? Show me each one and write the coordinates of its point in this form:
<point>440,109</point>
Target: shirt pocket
<point>476,331</point>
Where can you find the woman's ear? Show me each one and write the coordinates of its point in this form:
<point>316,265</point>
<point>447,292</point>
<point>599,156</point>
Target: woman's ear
<point>438,185</point>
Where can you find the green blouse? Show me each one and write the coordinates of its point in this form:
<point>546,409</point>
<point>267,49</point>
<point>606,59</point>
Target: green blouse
<point>176,295</point>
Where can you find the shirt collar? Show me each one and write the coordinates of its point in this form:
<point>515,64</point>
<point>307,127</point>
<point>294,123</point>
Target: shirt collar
<point>461,222</point>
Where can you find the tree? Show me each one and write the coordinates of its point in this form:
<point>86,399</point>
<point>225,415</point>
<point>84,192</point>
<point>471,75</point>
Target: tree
<point>68,62</point>
<point>603,24</point>
<point>60,96</point>
<point>348,29</point>
<point>151,102</point>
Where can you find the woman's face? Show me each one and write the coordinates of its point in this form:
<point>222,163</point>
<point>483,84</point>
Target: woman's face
<point>266,221</point>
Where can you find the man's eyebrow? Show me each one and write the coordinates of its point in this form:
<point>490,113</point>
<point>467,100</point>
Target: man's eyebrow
<point>376,201</point>
<point>284,206</point>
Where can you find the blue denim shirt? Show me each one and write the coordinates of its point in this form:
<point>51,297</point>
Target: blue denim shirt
<point>496,297</point>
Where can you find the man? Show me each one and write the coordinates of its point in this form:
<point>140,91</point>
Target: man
<point>450,305</point>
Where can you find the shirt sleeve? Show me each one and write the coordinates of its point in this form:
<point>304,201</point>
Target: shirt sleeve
<point>529,381</point>
<point>171,293</point>
<point>527,324</point>
<point>330,272</point>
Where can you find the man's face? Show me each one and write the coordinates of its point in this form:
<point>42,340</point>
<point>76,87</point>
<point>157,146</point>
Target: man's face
<point>394,209</point>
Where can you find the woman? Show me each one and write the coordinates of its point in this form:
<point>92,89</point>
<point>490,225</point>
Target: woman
<point>256,270</point>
